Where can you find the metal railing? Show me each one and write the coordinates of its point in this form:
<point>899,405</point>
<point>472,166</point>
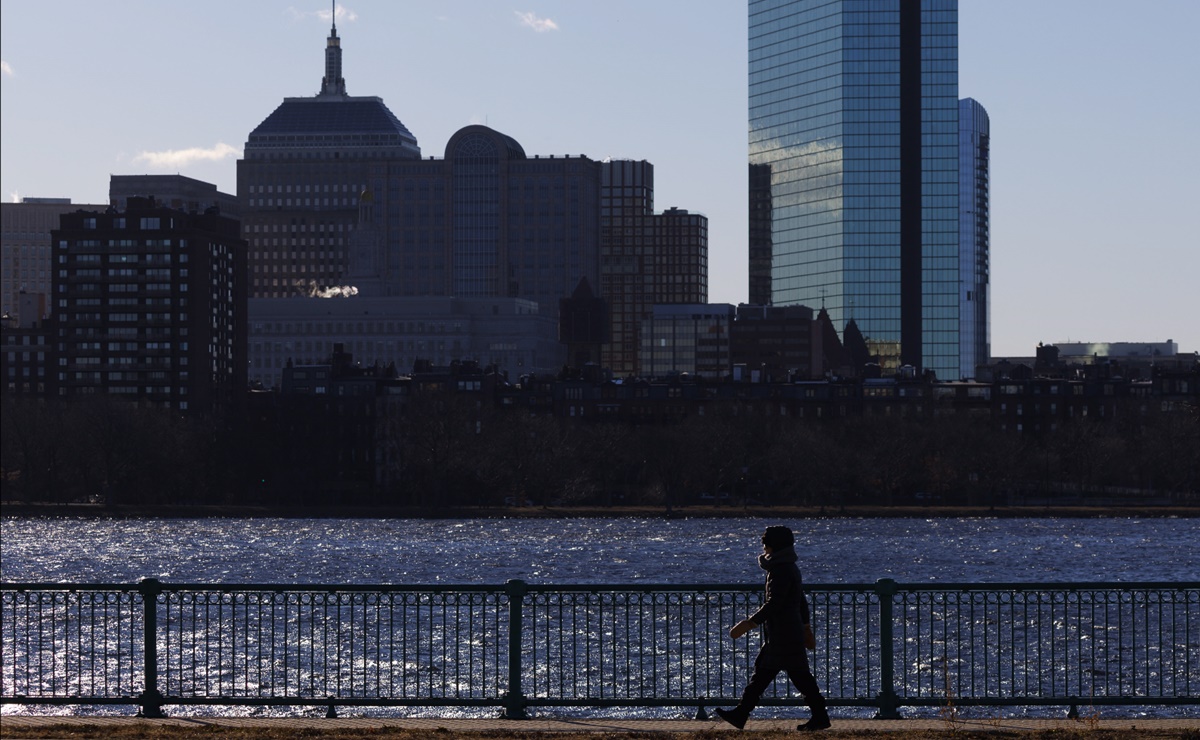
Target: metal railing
<point>521,646</point>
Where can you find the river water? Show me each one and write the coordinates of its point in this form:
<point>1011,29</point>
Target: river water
<point>586,551</point>
<point>590,551</point>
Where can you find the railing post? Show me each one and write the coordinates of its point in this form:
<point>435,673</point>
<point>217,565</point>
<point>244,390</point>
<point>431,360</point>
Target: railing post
<point>514,699</point>
<point>150,700</point>
<point>885,589</point>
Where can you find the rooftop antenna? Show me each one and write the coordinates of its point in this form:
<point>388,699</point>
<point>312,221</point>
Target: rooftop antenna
<point>332,83</point>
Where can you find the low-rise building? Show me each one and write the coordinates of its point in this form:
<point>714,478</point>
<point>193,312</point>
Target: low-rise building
<point>688,338</point>
<point>510,334</point>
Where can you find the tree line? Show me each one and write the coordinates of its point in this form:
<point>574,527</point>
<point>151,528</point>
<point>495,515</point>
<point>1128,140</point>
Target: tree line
<point>447,451</point>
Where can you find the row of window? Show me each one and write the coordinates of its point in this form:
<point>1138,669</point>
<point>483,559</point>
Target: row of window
<point>146,223</point>
<point>124,259</point>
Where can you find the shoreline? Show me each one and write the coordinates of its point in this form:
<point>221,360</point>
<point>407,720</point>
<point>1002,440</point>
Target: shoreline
<point>100,511</point>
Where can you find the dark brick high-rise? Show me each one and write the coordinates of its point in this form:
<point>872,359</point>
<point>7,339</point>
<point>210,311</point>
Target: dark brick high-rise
<point>150,305</point>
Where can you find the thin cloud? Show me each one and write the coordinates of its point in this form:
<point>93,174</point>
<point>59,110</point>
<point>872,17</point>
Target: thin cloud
<point>341,14</point>
<point>174,159</point>
<point>6,70</point>
<point>541,25</point>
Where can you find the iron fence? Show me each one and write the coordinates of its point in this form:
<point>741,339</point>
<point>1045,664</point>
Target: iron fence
<point>520,646</point>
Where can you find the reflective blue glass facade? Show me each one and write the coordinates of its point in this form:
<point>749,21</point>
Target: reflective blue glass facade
<point>854,137</point>
<point>974,153</point>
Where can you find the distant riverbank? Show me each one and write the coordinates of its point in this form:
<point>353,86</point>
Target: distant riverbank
<point>21,509</point>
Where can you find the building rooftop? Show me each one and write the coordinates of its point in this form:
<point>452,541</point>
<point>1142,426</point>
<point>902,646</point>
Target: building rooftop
<point>331,115</point>
<point>333,119</point>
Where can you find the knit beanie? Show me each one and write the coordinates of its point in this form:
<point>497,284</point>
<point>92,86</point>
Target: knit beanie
<point>778,537</point>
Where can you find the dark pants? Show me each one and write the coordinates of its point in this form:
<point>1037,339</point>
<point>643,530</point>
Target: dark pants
<point>768,665</point>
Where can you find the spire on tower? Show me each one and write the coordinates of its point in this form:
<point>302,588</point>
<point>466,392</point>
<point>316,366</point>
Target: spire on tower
<point>332,83</point>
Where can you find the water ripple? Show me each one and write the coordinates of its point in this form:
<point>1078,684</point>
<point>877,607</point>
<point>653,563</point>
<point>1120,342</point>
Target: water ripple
<point>679,551</point>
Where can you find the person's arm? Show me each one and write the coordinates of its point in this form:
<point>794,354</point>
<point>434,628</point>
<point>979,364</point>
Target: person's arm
<point>742,628</point>
<point>779,594</point>
<point>776,592</point>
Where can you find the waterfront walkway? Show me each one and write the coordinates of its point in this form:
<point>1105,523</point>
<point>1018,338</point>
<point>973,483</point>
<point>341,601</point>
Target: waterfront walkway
<point>11,726</point>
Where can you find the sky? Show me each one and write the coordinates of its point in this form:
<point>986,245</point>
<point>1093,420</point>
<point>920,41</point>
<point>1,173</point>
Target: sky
<point>1093,104</point>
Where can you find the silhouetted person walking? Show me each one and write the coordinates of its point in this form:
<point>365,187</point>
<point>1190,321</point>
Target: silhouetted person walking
<point>784,618</point>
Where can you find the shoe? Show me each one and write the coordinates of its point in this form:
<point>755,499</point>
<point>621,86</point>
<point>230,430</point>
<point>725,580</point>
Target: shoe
<point>733,717</point>
<point>819,721</point>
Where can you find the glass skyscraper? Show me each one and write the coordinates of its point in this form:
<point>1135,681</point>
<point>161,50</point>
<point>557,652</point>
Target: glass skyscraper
<point>854,141</point>
<point>974,156</point>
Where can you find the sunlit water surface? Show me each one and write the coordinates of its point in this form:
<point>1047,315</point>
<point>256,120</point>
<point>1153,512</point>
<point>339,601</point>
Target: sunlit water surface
<point>407,551</point>
<point>586,551</point>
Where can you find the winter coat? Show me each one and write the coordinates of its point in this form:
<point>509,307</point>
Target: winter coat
<point>785,610</point>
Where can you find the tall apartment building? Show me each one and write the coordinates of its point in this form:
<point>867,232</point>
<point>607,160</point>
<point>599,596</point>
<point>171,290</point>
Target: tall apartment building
<point>150,306</point>
<point>647,258</point>
<point>854,129</point>
<point>974,235</point>
<point>25,273</point>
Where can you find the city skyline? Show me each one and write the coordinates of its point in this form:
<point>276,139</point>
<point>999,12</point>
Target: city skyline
<point>1092,152</point>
